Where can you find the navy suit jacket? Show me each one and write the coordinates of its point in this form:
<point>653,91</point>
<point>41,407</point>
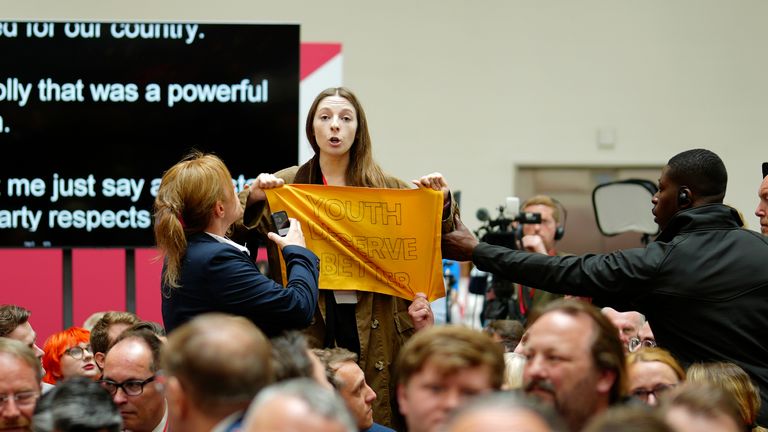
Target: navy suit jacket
<point>217,277</point>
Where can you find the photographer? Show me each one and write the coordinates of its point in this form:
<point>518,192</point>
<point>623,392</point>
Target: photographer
<point>537,229</point>
<point>542,238</point>
<point>703,275</point>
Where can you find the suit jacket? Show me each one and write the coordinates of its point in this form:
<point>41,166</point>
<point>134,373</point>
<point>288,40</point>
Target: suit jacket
<point>217,277</point>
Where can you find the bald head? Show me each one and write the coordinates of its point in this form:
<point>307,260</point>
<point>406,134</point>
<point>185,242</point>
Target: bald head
<point>628,324</point>
<point>220,359</point>
<point>298,405</point>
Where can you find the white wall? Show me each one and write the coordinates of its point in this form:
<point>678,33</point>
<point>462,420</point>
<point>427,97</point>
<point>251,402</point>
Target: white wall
<point>472,89</point>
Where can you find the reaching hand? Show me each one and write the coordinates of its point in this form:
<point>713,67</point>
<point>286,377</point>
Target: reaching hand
<point>294,237</point>
<point>420,312</point>
<point>434,181</point>
<point>262,182</point>
<point>534,243</point>
<point>458,244</point>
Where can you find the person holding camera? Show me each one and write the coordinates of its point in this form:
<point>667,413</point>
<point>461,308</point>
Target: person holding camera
<point>372,325</point>
<point>204,271</point>
<point>542,238</point>
<point>703,275</point>
<point>509,300</point>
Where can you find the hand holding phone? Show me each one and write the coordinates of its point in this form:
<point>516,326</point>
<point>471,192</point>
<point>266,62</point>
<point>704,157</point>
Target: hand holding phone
<point>282,224</point>
<point>287,231</point>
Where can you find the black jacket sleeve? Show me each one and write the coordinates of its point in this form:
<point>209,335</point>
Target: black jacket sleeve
<point>616,275</point>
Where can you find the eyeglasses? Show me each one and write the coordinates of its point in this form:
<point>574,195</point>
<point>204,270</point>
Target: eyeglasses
<point>656,391</point>
<point>77,352</point>
<point>22,399</point>
<point>130,387</point>
<point>635,344</point>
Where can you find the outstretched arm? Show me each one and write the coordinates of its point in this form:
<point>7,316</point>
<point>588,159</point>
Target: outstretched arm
<point>458,244</point>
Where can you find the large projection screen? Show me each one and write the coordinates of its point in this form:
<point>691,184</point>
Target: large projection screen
<point>92,114</point>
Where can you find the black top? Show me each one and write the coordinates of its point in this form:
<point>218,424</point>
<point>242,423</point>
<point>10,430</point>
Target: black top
<point>703,285</point>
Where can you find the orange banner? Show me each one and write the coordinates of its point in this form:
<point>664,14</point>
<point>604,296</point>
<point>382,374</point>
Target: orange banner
<point>380,240</point>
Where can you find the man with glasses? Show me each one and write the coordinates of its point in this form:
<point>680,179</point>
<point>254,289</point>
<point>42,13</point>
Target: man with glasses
<point>636,343</point>
<point>130,368</point>
<point>646,336</point>
<point>19,385</point>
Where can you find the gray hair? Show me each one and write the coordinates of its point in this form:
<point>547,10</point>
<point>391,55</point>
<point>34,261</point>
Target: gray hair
<point>507,402</point>
<point>18,350</point>
<point>77,404</point>
<point>320,400</point>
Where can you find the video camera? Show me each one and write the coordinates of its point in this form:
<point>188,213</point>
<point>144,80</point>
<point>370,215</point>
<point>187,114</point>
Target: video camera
<point>502,230</point>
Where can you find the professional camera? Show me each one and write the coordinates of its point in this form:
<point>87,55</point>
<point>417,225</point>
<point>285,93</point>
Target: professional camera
<point>503,231</point>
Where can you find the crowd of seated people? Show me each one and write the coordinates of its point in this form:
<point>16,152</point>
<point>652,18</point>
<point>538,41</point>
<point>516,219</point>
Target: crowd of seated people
<point>573,367</point>
<point>219,372</point>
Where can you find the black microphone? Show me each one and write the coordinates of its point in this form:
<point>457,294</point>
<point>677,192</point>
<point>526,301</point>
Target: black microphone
<point>482,214</point>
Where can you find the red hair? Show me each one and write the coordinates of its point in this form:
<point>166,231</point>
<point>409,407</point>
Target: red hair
<point>55,347</point>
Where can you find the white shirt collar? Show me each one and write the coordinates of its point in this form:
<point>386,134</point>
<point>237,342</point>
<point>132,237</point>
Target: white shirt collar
<point>225,240</point>
<point>161,427</point>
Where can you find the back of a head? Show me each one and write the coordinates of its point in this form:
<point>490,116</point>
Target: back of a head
<point>702,400</point>
<point>92,320</point>
<point>607,349</point>
<point>189,191</point>
<point>628,419</point>
<point>451,348</point>
<point>733,380</point>
<point>509,331</point>
<point>315,401</point>
<point>152,326</point>
<point>220,360</point>
<point>77,404</point>
<point>702,171</point>
<point>184,204</point>
<point>290,358</point>
<point>11,316</point>
<point>510,410</point>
